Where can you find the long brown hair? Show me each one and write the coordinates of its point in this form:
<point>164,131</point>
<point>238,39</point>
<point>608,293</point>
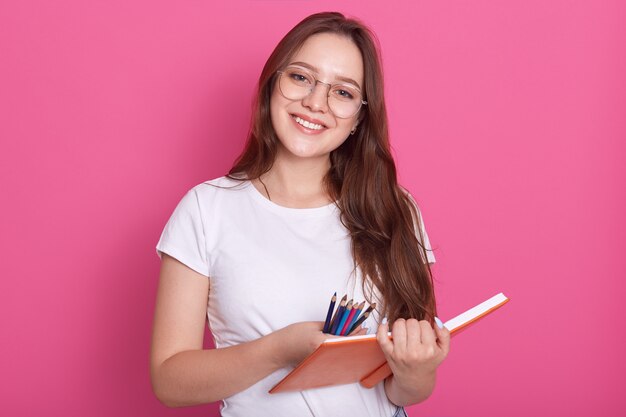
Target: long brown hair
<point>381,217</point>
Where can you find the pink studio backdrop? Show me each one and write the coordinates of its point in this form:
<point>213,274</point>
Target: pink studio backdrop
<point>508,123</point>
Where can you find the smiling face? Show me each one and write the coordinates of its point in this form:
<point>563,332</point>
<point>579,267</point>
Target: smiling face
<point>307,128</point>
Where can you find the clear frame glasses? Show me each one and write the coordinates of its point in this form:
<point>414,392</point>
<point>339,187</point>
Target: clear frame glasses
<point>344,100</point>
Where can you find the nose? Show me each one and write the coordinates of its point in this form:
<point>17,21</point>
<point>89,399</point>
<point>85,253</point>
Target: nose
<point>317,99</point>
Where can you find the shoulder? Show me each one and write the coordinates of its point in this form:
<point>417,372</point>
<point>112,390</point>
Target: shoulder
<point>216,186</point>
<point>222,182</point>
<point>219,195</point>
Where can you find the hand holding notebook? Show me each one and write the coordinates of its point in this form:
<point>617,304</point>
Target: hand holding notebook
<point>360,359</point>
<point>413,354</point>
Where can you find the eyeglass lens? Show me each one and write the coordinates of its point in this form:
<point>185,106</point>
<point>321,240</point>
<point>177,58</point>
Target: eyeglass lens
<point>344,100</point>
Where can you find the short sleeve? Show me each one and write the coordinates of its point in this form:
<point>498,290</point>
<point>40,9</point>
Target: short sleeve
<point>183,237</point>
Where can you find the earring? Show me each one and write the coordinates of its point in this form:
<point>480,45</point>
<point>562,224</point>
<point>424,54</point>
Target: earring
<point>353,130</point>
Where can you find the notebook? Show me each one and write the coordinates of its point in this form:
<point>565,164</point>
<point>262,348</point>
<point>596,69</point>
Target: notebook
<point>345,360</point>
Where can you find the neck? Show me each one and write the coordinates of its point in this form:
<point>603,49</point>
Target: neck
<point>296,182</point>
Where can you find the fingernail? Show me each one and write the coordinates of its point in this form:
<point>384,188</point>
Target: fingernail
<point>384,320</point>
<point>439,323</point>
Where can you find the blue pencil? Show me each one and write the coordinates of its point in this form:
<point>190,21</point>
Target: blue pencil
<point>362,318</point>
<point>344,317</point>
<point>338,315</point>
<point>331,307</point>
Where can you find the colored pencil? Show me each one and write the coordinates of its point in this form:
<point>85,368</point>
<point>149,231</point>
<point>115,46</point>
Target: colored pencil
<point>363,317</point>
<point>335,321</point>
<point>346,313</point>
<point>331,307</point>
<point>349,320</point>
<point>353,319</point>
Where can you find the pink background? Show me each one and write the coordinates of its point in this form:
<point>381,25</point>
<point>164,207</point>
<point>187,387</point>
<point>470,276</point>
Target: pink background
<point>508,121</point>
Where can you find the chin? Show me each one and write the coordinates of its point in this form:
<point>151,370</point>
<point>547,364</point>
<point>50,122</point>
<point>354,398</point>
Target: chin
<point>307,154</point>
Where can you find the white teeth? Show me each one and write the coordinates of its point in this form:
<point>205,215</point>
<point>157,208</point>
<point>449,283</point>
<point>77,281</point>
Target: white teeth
<point>308,125</point>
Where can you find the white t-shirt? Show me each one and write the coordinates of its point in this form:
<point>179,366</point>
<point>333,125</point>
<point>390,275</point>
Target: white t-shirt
<point>270,266</point>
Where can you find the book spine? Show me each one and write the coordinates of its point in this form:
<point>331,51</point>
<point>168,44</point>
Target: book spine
<point>382,372</point>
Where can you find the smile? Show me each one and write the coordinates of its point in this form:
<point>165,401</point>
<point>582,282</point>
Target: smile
<point>308,125</point>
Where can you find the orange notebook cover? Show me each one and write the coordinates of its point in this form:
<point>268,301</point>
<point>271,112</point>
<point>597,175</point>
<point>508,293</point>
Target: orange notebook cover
<point>351,359</point>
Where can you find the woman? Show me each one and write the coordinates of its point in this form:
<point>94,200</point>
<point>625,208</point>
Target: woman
<point>311,207</point>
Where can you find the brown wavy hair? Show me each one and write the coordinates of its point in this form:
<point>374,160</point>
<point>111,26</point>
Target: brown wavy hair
<point>380,216</point>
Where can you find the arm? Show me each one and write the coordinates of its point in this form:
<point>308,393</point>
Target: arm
<point>413,356</point>
<point>185,374</point>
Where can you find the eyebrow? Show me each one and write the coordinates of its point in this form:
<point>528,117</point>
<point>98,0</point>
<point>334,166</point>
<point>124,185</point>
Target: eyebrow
<point>312,68</point>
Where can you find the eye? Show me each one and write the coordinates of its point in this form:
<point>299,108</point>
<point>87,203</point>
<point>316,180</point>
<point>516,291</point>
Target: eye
<point>299,77</point>
<point>344,93</point>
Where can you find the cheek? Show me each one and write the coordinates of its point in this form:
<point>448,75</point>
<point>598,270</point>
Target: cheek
<point>345,125</point>
<point>275,113</point>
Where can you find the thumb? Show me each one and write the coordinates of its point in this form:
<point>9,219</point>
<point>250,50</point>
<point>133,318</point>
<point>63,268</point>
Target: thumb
<point>383,340</point>
<point>318,325</point>
<point>443,336</point>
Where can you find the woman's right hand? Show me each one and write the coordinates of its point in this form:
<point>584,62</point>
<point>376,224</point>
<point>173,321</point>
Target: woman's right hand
<point>298,340</point>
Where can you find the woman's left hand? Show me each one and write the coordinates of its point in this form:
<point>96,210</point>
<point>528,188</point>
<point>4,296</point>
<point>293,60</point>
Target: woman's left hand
<point>414,352</point>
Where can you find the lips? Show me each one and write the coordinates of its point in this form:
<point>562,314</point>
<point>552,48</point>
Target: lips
<point>308,122</point>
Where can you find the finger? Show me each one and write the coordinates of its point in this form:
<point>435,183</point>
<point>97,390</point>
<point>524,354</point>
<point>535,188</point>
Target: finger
<point>429,338</point>
<point>399,336</point>
<point>413,335</point>
<point>383,339</point>
<point>443,337</point>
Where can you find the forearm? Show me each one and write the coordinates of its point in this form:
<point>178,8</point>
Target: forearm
<point>203,376</point>
<point>414,391</point>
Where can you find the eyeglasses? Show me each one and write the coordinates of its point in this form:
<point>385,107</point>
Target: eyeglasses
<point>296,83</point>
